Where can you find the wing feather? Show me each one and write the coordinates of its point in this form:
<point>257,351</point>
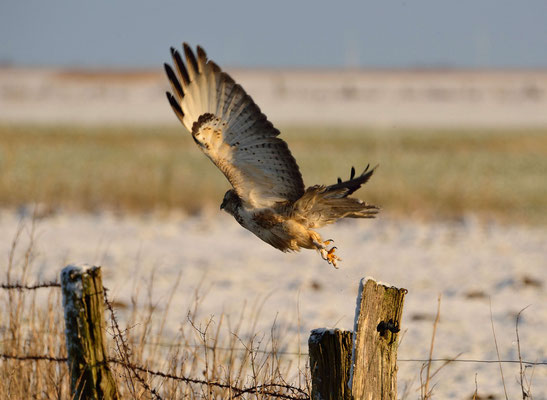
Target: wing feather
<point>232,131</point>
<point>190,61</point>
<point>175,105</point>
<point>175,84</point>
<point>181,68</point>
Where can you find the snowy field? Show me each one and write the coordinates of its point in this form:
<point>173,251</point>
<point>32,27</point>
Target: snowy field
<point>379,98</point>
<point>469,263</point>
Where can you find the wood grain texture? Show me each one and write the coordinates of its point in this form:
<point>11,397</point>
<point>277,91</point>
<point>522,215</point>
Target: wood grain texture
<point>83,302</point>
<point>377,325</point>
<point>330,362</point>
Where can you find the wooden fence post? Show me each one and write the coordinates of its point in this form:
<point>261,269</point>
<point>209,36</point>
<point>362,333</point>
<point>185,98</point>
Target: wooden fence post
<point>83,302</point>
<point>373,364</point>
<point>376,333</point>
<point>330,363</point>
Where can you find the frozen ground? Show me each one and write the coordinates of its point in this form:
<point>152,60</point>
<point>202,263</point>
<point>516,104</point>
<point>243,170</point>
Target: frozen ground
<point>466,261</point>
<point>381,98</point>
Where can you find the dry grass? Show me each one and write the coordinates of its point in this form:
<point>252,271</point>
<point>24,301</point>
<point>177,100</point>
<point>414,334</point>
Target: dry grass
<point>210,350</point>
<point>431,174</point>
<point>31,323</point>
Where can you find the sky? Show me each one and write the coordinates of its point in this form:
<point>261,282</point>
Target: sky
<point>253,33</point>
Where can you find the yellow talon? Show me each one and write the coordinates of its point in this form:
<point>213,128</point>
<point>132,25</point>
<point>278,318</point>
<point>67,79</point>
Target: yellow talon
<point>332,258</point>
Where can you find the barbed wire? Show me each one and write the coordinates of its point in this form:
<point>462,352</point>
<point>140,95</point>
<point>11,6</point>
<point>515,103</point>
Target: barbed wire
<point>24,286</point>
<point>305,354</point>
<point>470,360</point>
<point>252,389</point>
<point>28,357</point>
<point>238,390</point>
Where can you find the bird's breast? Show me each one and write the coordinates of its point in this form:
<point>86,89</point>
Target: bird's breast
<point>266,225</point>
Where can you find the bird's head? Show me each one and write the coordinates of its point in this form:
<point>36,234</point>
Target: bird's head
<point>230,202</point>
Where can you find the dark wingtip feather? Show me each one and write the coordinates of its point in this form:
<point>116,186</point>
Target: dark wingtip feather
<point>180,66</point>
<point>201,54</point>
<point>175,105</point>
<point>352,174</point>
<point>190,57</point>
<point>177,88</point>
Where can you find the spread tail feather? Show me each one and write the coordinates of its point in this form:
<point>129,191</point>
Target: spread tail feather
<point>332,209</point>
<point>320,206</point>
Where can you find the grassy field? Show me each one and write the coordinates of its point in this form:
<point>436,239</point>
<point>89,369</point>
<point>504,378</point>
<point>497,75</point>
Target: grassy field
<point>427,174</point>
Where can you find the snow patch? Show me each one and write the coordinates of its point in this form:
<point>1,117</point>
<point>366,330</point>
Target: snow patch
<point>317,334</point>
<point>72,284</point>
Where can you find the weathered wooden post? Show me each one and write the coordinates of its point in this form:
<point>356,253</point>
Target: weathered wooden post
<point>83,302</point>
<point>372,367</point>
<point>376,333</point>
<point>330,363</point>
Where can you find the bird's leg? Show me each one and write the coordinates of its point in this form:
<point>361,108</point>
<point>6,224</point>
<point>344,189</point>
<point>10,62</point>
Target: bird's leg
<point>323,253</point>
<point>326,254</point>
<point>332,258</point>
<point>319,245</point>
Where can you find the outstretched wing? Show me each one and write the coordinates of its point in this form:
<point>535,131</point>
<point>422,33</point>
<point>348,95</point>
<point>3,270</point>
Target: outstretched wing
<point>230,129</point>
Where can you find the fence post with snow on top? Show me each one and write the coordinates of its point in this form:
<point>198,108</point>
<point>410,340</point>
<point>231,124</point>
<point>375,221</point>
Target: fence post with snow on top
<point>83,302</point>
<point>361,364</point>
<point>330,363</point>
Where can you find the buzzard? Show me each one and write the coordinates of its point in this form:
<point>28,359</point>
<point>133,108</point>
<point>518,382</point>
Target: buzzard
<point>268,196</point>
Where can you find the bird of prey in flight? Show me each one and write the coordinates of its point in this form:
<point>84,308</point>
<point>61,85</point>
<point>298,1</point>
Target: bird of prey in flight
<point>268,196</point>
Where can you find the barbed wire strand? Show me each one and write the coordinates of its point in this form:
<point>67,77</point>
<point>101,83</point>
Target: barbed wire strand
<point>23,286</point>
<point>252,389</point>
<point>29,357</point>
<point>421,360</point>
<point>239,391</point>
<point>304,354</point>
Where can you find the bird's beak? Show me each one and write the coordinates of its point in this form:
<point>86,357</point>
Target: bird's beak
<point>223,205</point>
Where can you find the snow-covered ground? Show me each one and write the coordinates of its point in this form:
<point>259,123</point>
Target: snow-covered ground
<point>380,98</point>
<point>469,263</point>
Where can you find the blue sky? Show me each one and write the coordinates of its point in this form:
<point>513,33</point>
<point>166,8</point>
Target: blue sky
<point>394,34</point>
